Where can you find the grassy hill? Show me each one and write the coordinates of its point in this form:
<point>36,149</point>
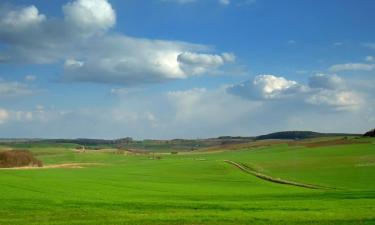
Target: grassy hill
<point>112,187</point>
<point>166,145</point>
<point>300,135</point>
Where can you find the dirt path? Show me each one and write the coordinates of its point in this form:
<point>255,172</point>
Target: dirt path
<point>65,165</point>
<point>273,179</point>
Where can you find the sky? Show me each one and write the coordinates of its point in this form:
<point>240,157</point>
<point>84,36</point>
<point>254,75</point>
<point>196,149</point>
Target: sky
<point>162,69</point>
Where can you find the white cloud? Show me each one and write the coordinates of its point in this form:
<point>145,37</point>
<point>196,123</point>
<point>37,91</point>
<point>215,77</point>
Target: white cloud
<point>352,67</point>
<point>302,71</point>
<point>201,112</point>
<point>213,107</point>
<point>339,100</point>
<point>195,63</point>
<point>224,2</point>
<point>200,59</point>
<point>272,87</point>
<point>121,92</point>
<point>24,18</point>
<point>90,54</point>
<point>90,15</point>
<point>325,81</point>
<point>228,57</point>
<point>30,77</point>
<point>246,2</point>
<point>73,64</point>
<point>127,60</point>
<point>22,116</point>
<point>39,107</point>
<point>180,1</point>
<point>9,116</point>
<point>4,116</point>
<point>369,45</point>
<point>370,58</point>
<point>266,87</point>
<point>13,89</point>
<point>328,92</point>
<point>206,112</point>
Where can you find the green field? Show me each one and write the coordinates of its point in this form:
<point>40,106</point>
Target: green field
<point>194,187</point>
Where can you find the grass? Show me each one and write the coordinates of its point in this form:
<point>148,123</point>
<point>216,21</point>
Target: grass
<point>194,188</point>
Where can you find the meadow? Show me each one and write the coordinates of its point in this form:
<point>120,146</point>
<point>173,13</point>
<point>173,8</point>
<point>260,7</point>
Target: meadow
<point>198,187</point>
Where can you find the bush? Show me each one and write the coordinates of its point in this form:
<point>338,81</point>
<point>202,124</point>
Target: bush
<point>370,133</point>
<point>18,158</point>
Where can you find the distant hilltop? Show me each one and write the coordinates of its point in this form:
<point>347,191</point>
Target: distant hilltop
<point>299,135</point>
<point>159,145</point>
<point>290,135</point>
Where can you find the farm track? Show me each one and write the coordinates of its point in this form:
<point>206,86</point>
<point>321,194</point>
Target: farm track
<point>245,169</point>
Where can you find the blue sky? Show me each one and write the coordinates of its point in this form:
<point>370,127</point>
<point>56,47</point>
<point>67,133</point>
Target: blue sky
<point>185,68</point>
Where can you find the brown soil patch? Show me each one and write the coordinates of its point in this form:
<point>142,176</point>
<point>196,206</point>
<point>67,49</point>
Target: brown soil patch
<point>325,143</point>
<point>55,166</point>
<point>18,158</point>
<point>253,144</point>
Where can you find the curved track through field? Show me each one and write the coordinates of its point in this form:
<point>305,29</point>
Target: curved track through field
<point>246,169</point>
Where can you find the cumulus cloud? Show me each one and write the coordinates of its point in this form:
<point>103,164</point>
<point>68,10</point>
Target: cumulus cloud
<point>90,15</point>
<point>246,2</point>
<point>339,100</point>
<point>370,45</point>
<point>82,18</point>
<point>352,67</point>
<point>202,112</point>
<point>325,81</point>
<point>370,58</point>
<point>22,18</point>
<point>128,60</point>
<point>4,116</point>
<point>221,2</point>
<point>323,91</point>
<point>206,112</point>
<point>195,63</point>
<point>179,1</point>
<point>22,115</point>
<point>73,64</point>
<point>266,87</point>
<point>13,89</point>
<point>214,108</point>
<point>92,54</point>
<point>224,2</point>
<point>7,116</point>
<point>30,77</point>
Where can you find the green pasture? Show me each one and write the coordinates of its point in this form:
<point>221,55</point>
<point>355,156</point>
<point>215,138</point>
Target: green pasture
<point>193,188</point>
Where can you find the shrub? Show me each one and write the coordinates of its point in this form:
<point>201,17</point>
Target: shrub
<point>18,158</point>
<point>370,133</point>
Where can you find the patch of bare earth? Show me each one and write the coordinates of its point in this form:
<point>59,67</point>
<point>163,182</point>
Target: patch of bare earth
<point>56,166</point>
<point>252,144</point>
<point>324,143</point>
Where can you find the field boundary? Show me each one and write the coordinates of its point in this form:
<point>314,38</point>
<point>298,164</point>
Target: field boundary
<point>262,176</point>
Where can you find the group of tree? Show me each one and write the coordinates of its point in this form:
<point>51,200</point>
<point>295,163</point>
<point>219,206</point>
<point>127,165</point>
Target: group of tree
<point>370,133</point>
